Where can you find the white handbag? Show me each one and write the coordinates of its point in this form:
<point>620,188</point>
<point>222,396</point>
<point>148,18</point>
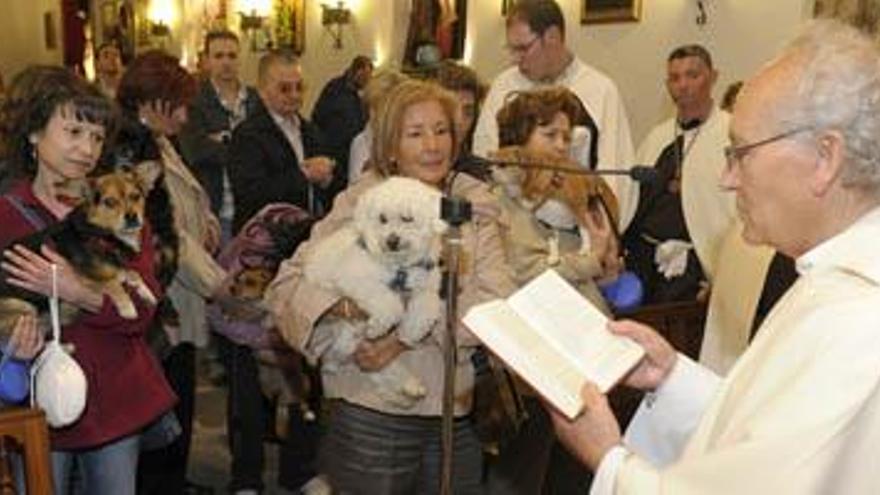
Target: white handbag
<point>58,384</point>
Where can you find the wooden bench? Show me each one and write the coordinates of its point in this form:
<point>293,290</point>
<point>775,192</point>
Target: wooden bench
<point>24,431</point>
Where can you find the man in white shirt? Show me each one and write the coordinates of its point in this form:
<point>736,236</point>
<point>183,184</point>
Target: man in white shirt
<point>536,41</point>
<point>108,68</point>
<point>672,241</point>
<point>799,412</point>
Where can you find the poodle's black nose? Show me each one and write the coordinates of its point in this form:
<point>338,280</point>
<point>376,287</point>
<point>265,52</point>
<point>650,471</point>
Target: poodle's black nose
<point>393,242</point>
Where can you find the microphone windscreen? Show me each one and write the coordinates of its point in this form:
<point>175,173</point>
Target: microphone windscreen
<point>643,173</point>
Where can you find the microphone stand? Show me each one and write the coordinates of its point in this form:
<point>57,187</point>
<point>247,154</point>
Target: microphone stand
<point>455,211</point>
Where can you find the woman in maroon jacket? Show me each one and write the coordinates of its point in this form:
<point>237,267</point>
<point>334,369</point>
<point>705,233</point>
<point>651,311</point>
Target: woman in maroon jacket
<point>59,133</point>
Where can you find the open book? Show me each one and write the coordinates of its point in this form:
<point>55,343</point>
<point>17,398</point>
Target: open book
<point>555,339</point>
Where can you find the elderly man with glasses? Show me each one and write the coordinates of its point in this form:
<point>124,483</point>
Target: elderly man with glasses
<point>799,413</point>
<point>536,43</point>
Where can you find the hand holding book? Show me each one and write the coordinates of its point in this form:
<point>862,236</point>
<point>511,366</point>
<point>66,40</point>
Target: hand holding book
<point>659,359</point>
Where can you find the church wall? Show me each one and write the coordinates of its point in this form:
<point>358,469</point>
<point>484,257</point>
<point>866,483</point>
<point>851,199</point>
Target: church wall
<point>740,34</point>
<point>23,35</point>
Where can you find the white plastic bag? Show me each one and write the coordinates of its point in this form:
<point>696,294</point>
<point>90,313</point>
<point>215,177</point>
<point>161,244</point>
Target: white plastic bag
<point>58,384</point>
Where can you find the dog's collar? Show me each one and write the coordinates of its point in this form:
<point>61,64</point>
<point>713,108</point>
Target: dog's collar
<point>401,276</point>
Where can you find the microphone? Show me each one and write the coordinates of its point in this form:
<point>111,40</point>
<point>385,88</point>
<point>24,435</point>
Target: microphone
<point>638,173</point>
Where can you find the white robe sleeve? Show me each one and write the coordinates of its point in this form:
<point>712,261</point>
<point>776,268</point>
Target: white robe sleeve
<point>616,152</point>
<point>486,132</point>
<point>666,418</point>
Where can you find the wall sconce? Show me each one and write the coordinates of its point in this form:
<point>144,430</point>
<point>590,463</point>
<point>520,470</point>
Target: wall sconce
<point>702,17</point>
<point>333,19</point>
<point>160,18</point>
<point>505,6</point>
<point>159,29</point>
<point>252,24</point>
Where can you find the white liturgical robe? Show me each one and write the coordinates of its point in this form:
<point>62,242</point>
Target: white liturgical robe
<point>708,209</point>
<point>799,413</point>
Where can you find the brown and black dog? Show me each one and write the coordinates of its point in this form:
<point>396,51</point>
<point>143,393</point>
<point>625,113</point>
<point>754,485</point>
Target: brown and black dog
<point>584,194</point>
<point>97,238</point>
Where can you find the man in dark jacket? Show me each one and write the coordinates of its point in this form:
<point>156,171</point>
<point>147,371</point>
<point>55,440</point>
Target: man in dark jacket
<point>222,103</point>
<point>339,112</point>
<point>276,154</point>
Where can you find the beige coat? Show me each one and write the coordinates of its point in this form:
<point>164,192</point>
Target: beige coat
<point>297,305</point>
<point>198,275</point>
<point>526,241</point>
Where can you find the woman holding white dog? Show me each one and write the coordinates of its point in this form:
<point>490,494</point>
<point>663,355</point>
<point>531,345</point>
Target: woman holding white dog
<point>373,447</point>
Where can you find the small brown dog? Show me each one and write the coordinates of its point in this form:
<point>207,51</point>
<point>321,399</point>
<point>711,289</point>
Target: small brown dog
<point>250,283</point>
<point>97,238</point>
<point>532,179</point>
<point>584,194</point>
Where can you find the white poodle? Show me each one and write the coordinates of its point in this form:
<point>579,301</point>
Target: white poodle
<point>386,262</point>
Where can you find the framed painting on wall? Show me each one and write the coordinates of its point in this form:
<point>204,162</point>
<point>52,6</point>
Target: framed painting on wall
<point>606,11</point>
<point>290,25</point>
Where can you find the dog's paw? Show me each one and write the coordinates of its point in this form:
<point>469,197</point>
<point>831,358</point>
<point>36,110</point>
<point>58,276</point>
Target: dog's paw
<point>134,280</point>
<point>403,395</point>
<point>127,311</point>
<point>381,321</point>
<point>414,389</point>
<point>421,318</point>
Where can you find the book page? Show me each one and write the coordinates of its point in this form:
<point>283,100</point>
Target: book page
<point>541,365</point>
<point>575,328</point>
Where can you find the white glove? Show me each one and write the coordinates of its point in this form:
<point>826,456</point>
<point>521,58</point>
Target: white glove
<point>671,257</point>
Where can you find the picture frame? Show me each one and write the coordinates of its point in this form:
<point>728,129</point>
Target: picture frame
<point>610,11</point>
<point>50,33</point>
<point>290,25</point>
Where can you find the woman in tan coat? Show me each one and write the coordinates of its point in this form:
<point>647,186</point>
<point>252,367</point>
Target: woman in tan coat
<point>373,447</point>
<point>546,232</point>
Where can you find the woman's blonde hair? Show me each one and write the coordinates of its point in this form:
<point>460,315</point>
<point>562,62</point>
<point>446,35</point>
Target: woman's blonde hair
<point>381,83</point>
<point>387,120</point>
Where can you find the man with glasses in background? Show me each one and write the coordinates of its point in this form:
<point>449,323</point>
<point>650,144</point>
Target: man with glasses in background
<point>799,412</point>
<point>536,42</point>
<point>277,156</point>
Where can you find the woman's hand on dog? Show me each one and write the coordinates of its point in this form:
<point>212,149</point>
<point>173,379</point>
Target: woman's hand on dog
<point>33,272</point>
<point>603,243</point>
<point>373,355</point>
<point>27,340</point>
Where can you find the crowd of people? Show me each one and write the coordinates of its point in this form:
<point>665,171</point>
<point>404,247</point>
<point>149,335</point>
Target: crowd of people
<point>765,215</point>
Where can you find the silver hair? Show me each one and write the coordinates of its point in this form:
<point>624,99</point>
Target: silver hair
<point>839,88</point>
